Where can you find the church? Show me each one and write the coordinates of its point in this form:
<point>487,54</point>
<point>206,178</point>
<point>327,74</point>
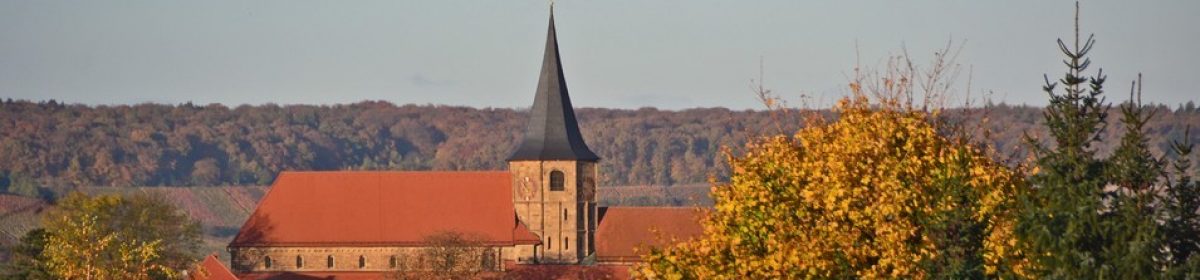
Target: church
<point>539,214</point>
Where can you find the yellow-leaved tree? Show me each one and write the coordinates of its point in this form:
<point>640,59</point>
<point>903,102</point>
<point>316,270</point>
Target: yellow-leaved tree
<point>885,191</point>
<point>142,236</point>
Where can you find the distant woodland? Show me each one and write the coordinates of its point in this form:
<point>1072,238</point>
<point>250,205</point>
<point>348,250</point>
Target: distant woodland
<point>51,144</point>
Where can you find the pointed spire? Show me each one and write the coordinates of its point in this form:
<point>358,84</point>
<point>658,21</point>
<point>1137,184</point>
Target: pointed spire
<point>552,132</point>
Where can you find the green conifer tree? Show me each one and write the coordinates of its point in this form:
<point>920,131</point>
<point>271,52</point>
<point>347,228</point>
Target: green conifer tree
<point>25,261</point>
<point>1061,225</point>
<point>1133,174</point>
<point>1093,218</point>
<point>1181,209</point>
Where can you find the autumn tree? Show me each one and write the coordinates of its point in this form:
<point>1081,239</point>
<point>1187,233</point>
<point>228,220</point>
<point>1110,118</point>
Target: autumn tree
<point>445,255</point>
<point>114,237</point>
<point>884,191</point>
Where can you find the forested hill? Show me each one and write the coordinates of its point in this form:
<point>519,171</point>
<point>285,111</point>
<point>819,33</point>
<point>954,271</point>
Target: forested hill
<point>150,145</point>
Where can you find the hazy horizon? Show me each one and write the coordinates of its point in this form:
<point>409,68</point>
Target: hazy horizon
<point>669,55</point>
<point>978,105</point>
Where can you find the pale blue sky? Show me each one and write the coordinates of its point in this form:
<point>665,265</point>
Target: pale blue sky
<point>621,53</point>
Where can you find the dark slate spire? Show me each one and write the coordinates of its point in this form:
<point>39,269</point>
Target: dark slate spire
<point>552,132</point>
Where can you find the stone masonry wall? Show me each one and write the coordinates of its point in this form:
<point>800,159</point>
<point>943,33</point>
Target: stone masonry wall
<point>248,259</point>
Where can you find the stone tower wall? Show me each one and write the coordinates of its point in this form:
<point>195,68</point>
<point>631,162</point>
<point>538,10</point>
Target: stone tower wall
<point>563,219</point>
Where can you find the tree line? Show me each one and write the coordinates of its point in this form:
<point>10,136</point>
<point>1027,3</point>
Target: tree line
<point>51,144</point>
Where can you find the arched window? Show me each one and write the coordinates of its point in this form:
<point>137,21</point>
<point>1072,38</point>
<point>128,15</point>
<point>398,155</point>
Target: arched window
<point>392,262</point>
<point>556,180</point>
<point>299,262</point>
<point>362,262</point>
<point>329,261</point>
<point>267,261</point>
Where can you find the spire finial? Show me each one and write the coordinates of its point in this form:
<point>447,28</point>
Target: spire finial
<point>551,7</point>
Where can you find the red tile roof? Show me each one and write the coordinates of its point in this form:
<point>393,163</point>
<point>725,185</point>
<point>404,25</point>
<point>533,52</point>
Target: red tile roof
<point>622,229</point>
<point>211,269</point>
<point>383,209</point>
<point>522,235</point>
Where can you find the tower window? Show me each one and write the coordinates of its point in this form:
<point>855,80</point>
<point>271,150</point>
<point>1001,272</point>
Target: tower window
<point>556,180</point>
<point>548,243</point>
<point>267,261</point>
<point>566,243</point>
<point>392,262</point>
<point>329,261</point>
<point>299,262</point>
<point>564,214</point>
<point>362,262</point>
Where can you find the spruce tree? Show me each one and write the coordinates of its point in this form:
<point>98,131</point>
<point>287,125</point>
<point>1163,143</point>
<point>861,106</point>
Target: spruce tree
<point>1133,174</point>
<point>1087,217</point>
<point>1181,219</point>
<point>1061,224</point>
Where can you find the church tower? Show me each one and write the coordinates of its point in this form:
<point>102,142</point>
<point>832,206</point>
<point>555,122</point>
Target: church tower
<point>554,172</point>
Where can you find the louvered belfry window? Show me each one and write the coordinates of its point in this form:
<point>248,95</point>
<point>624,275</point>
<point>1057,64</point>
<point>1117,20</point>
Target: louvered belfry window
<point>556,180</point>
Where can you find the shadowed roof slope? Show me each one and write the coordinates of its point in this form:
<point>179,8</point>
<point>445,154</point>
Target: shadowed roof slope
<point>383,208</point>
<point>622,229</point>
<point>552,132</point>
